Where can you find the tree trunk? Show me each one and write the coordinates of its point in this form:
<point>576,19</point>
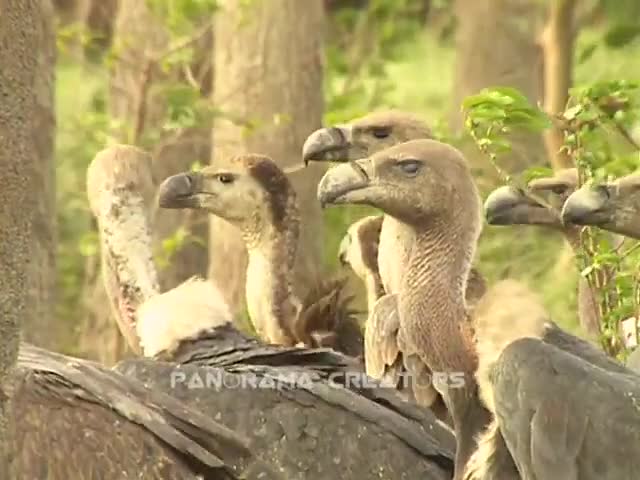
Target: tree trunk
<point>557,44</point>
<point>495,44</point>
<point>268,80</point>
<point>26,129</point>
<point>136,102</point>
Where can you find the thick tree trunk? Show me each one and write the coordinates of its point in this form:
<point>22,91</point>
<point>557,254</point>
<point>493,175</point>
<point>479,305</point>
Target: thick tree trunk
<point>136,101</point>
<point>496,46</point>
<point>25,135</point>
<point>268,79</point>
<point>557,43</point>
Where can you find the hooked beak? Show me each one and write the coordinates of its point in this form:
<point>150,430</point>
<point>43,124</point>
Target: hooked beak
<point>328,144</point>
<point>587,206</point>
<point>507,206</point>
<point>179,191</point>
<point>340,183</point>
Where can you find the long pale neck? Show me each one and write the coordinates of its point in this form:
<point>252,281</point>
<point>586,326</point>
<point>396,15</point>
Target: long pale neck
<point>393,252</point>
<point>270,301</point>
<point>129,273</point>
<point>373,286</point>
<point>432,296</point>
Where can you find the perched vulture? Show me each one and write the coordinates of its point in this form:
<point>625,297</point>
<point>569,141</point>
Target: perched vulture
<point>348,142</point>
<point>613,206</point>
<point>309,413</point>
<point>255,195</point>
<point>510,206</point>
<point>428,188</point>
<point>562,409</point>
<point>74,419</point>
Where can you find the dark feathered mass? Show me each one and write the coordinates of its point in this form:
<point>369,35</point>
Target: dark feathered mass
<point>273,181</point>
<point>74,419</point>
<point>307,415</point>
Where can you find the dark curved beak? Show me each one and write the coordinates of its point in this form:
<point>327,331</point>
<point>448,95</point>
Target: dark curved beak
<point>503,205</point>
<point>178,191</point>
<point>341,180</point>
<point>328,144</point>
<point>586,206</point>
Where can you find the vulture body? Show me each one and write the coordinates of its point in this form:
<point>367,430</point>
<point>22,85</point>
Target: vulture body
<point>562,408</point>
<point>310,413</point>
<point>383,358</point>
<point>509,206</point>
<point>74,419</point>
<point>427,186</point>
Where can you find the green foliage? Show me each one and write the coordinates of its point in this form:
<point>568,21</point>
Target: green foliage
<point>593,114</point>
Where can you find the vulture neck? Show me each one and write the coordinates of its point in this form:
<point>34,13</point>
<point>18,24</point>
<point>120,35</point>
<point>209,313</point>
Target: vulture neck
<point>432,297</point>
<point>588,306</point>
<point>432,307</point>
<point>129,273</point>
<point>270,301</point>
<point>374,288</point>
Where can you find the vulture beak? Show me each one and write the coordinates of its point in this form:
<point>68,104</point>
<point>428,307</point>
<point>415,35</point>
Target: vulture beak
<point>344,183</point>
<point>328,144</point>
<point>587,206</point>
<point>507,206</point>
<point>344,248</point>
<point>180,191</point>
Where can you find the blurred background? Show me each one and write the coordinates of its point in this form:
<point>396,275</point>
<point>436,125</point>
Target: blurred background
<point>194,81</point>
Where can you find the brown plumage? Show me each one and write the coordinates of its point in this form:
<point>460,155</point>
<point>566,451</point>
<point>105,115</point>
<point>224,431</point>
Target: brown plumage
<point>75,419</point>
<point>613,206</point>
<point>254,195</point>
<point>427,186</point>
<point>562,408</point>
<point>510,206</point>
<point>310,413</point>
<point>348,142</point>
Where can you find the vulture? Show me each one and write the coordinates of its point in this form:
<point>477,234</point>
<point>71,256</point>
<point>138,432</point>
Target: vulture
<point>255,195</point>
<point>508,205</point>
<point>75,419</point>
<point>532,376</point>
<point>612,206</point>
<point>383,359</point>
<point>427,187</point>
<point>309,413</point>
<point>562,409</point>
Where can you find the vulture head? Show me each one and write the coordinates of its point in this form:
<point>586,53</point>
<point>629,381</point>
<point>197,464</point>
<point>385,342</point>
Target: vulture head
<point>508,205</point>
<point>120,190</point>
<point>418,182</point>
<point>251,192</point>
<point>612,206</point>
<point>363,136</point>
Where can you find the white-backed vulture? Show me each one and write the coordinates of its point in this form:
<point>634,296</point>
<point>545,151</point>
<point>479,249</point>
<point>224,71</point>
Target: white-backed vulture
<point>75,419</point>
<point>612,206</point>
<point>427,186</point>
<point>351,141</point>
<point>562,409</point>
<point>254,194</point>
<point>358,249</point>
<point>309,413</point>
<point>509,206</point>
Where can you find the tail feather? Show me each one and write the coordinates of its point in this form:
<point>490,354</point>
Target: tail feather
<point>326,319</point>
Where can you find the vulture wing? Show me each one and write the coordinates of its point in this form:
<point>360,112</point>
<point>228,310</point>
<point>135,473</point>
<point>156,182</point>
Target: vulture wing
<point>76,419</point>
<point>564,417</point>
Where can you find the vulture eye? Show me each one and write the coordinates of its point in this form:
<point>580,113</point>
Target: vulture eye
<point>381,132</point>
<point>410,167</point>
<point>225,178</point>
